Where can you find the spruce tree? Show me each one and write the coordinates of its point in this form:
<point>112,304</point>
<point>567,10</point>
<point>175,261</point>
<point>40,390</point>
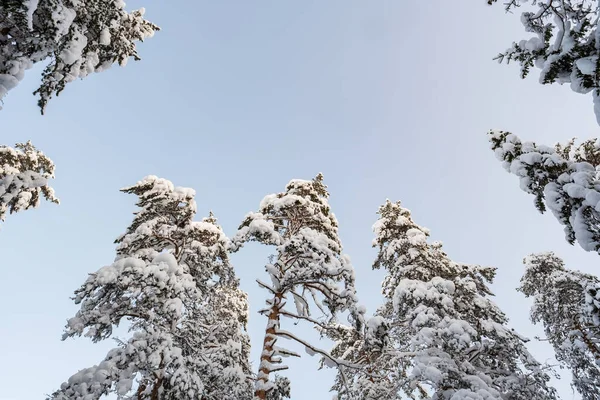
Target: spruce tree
<point>309,270</point>
<point>565,302</point>
<point>456,337</point>
<point>172,281</point>
<point>74,37</point>
<point>24,175</point>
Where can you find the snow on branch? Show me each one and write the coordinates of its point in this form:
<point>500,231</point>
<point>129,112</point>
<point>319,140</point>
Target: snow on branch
<point>563,43</point>
<point>73,38</point>
<point>331,361</point>
<point>24,175</point>
<point>563,179</point>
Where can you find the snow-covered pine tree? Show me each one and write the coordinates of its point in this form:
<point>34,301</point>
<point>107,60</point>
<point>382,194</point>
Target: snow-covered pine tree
<point>309,269</point>
<point>563,179</point>
<point>460,344</point>
<point>565,303</point>
<point>564,44</point>
<point>173,282</point>
<point>76,37</point>
<point>24,175</point>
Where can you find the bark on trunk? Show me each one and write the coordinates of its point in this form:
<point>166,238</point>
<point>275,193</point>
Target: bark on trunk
<point>266,358</point>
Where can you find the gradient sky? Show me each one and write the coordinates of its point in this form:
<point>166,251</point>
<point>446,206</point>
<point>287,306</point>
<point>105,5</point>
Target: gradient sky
<point>388,99</point>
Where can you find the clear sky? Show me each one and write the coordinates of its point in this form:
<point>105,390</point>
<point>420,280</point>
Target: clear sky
<point>388,99</point>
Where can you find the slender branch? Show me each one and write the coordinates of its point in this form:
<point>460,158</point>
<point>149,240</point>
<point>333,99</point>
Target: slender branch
<point>309,319</point>
<point>317,350</point>
<point>264,285</point>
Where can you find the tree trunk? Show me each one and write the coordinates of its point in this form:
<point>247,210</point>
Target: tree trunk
<point>266,358</point>
<point>155,389</point>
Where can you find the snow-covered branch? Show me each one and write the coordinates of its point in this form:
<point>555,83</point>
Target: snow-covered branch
<point>74,39</point>
<point>24,175</point>
<point>564,46</point>
<point>312,350</point>
<point>563,179</point>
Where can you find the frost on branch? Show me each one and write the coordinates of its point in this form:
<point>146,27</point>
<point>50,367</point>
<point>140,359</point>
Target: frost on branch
<point>309,269</point>
<point>173,283</point>
<point>566,303</point>
<point>456,338</point>
<point>76,38</point>
<point>24,175</point>
<point>563,179</point>
<point>563,43</point>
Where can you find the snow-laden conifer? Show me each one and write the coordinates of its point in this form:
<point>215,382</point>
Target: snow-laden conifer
<point>24,175</point>
<point>172,281</point>
<point>309,270</point>
<point>563,179</point>
<point>456,337</point>
<point>75,38</point>
<point>565,302</point>
<point>563,43</point>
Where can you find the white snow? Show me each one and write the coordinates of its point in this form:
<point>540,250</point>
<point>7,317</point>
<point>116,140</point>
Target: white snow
<point>104,36</point>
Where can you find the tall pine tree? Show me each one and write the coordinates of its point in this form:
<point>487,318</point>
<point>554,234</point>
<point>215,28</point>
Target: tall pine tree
<point>566,303</point>
<point>173,282</point>
<point>457,338</point>
<point>309,270</point>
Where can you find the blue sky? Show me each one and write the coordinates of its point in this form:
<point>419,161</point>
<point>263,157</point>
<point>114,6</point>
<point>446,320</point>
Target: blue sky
<point>388,99</point>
